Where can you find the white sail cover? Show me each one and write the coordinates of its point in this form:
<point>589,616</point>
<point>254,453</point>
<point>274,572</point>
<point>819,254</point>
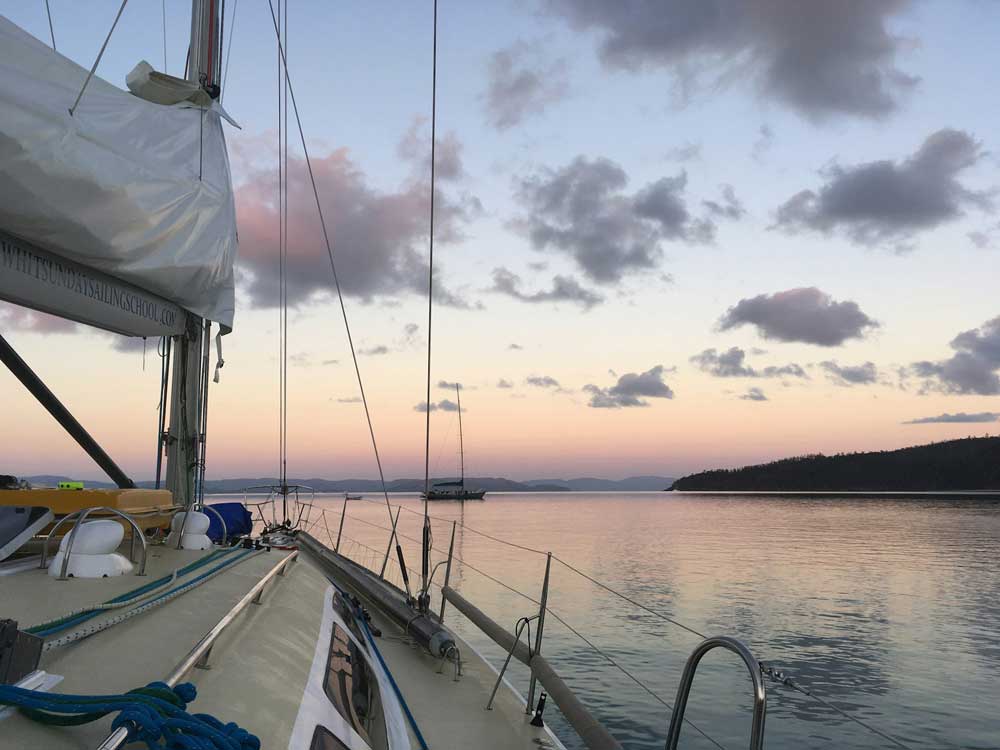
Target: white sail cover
<point>138,190</point>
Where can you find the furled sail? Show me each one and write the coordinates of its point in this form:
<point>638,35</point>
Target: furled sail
<point>139,191</point>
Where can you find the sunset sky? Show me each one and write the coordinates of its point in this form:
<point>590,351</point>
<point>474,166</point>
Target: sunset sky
<point>672,236</point>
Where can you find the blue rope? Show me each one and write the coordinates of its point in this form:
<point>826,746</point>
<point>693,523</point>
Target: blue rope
<point>392,681</point>
<point>385,668</point>
<point>155,715</point>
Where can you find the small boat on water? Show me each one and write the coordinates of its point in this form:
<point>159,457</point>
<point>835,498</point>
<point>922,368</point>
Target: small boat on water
<point>455,490</point>
<point>349,496</point>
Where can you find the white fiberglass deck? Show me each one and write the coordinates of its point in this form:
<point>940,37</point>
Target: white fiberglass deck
<point>260,665</point>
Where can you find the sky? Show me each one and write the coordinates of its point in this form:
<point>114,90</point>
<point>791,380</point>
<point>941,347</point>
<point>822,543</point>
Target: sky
<point>669,237</point>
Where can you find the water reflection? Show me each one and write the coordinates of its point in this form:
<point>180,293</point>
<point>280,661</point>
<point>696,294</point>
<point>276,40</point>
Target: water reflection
<point>887,607</point>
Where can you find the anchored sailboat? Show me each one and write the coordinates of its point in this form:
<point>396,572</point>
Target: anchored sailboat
<point>456,490</point>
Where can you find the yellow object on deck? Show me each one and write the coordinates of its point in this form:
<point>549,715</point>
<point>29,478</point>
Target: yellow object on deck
<point>150,509</point>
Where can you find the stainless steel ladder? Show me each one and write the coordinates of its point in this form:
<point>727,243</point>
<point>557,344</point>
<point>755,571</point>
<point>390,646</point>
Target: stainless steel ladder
<point>687,678</point>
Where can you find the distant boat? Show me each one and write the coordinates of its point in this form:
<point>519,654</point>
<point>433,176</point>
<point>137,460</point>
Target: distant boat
<point>455,490</point>
<point>349,496</point>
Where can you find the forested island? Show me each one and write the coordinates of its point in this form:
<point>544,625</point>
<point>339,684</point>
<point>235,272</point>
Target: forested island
<point>966,464</point>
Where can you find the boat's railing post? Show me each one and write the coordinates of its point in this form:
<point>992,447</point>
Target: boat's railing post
<point>524,622</point>
<point>541,627</point>
<point>392,537</point>
<point>687,678</point>
<point>340,531</point>
<point>447,570</point>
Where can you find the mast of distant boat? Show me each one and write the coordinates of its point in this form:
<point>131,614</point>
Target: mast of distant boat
<point>461,440</point>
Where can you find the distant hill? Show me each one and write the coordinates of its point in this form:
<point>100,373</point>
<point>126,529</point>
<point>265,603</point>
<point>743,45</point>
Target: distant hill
<point>592,484</point>
<point>967,464</point>
<point>228,486</point>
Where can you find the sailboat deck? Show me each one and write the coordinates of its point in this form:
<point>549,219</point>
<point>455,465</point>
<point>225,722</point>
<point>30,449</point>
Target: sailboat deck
<point>260,665</point>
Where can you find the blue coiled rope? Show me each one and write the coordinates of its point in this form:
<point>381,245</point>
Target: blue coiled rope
<point>155,715</point>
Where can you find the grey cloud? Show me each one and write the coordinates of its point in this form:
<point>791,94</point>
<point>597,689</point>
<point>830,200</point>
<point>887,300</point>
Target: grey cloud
<point>564,289</point>
<point>542,381</point>
<point>378,237</point>
<point>732,364</point>
<point>863,374</point>
<point>818,58</point>
<point>630,390</point>
<point>522,82</point>
<point>754,394</point>
<point>985,238</point>
<point>515,347</point>
<point>764,142</point>
<point>805,314</point>
<point>958,418</point>
<point>443,405</point>
<point>504,383</point>
<point>327,362</point>
<point>349,400</point>
<point>688,152</point>
<point>449,385</point>
<point>374,351</point>
<point>974,366</point>
<point>582,210</point>
<point>415,146</point>
<point>886,202</point>
<point>729,207</point>
<point>15,318</point>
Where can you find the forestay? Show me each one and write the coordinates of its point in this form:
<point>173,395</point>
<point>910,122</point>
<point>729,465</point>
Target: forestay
<point>139,191</point>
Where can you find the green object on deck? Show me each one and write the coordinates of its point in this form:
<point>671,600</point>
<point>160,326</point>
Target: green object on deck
<point>71,485</point>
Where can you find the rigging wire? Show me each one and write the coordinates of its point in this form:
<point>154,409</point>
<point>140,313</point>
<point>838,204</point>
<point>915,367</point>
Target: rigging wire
<point>631,601</point>
<point>97,62</point>
<point>783,679</point>
<point>163,11</point>
<point>426,545</point>
<point>558,617</point>
<point>329,252</point>
<point>229,50</point>
<point>632,677</point>
<point>52,33</point>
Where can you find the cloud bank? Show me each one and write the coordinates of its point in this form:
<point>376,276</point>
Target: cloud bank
<point>583,211</point>
<point>958,418</point>
<point>885,202</point>
<point>564,289</point>
<point>818,58</point>
<point>974,366</point>
<point>630,390</point>
<point>522,82</point>
<point>807,315</point>
<point>732,364</point>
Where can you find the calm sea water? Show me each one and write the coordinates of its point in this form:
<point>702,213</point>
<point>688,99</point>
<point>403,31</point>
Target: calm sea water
<point>888,608</point>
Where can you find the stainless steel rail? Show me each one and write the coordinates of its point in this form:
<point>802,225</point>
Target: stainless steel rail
<point>593,735</point>
<point>687,678</point>
<point>225,531</point>
<point>198,656</point>
<point>83,513</point>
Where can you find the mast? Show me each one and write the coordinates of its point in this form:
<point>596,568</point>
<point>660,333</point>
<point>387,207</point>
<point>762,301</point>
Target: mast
<point>461,440</point>
<point>188,396</point>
